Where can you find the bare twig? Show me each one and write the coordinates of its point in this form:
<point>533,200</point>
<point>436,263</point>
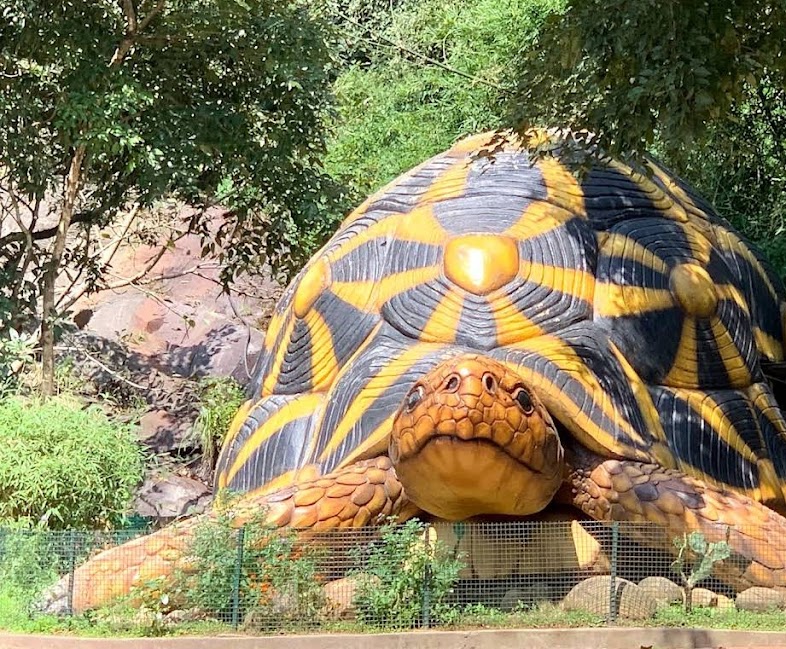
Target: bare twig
<point>126,281</point>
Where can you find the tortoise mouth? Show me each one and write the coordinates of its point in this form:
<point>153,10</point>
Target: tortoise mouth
<point>514,446</point>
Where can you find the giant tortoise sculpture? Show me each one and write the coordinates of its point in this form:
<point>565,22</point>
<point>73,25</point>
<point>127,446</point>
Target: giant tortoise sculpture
<point>487,335</point>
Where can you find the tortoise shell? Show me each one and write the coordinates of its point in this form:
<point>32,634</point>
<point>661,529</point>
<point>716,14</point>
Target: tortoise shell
<point>639,317</point>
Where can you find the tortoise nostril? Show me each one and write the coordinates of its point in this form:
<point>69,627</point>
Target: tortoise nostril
<point>451,385</point>
<point>490,383</point>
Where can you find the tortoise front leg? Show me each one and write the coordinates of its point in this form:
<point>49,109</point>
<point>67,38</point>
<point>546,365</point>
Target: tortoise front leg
<point>364,493</point>
<point>360,494</point>
<point>624,490</point>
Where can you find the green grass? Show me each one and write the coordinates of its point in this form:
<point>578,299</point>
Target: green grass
<point>713,618</point>
<point>124,621</point>
<point>542,616</point>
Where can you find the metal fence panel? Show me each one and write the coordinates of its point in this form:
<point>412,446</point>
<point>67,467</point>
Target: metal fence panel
<point>414,575</point>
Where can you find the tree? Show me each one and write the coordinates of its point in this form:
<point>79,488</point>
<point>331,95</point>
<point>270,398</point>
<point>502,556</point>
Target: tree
<point>637,74</point>
<point>700,84</point>
<point>419,75</point>
<point>106,105</point>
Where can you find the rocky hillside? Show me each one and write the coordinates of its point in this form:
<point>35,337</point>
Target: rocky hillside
<point>146,345</point>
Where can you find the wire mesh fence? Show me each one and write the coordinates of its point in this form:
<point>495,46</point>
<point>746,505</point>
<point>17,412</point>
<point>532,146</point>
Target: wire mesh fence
<point>394,576</point>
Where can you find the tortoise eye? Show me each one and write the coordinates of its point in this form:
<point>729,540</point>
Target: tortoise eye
<point>452,383</point>
<point>525,401</point>
<point>414,398</point>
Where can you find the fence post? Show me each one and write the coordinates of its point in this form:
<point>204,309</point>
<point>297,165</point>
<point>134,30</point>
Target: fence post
<point>241,534</point>
<point>71,540</point>
<point>615,542</point>
<point>426,602</point>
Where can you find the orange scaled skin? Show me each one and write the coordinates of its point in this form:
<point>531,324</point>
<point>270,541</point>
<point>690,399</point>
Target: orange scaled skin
<point>669,504</point>
<point>463,445</point>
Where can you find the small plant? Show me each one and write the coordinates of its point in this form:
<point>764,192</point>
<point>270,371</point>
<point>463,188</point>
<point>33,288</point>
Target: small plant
<point>404,577</point>
<point>152,602</point>
<point>17,350</point>
<point>706,556</point>
<point>220,399</point>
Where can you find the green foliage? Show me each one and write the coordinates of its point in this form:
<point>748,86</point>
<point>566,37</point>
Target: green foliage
<point>740,169</point>
<point>219,400</point>
<point>16,352</point>
<point>397,109</point>
<point>635,72</point>
<point>276,581</point>
<point>716,618</point>
<point>63,466</point>
<point>28,564</point>
<point>209,101</point>
<point>705,555</point>
<point>402,575</point>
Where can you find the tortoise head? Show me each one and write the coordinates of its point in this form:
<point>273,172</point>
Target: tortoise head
<point>471,438</point>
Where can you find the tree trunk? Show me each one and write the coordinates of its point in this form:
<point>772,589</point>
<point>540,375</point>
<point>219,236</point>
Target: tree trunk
<point>48,312</point>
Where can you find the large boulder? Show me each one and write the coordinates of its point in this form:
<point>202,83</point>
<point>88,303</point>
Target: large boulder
<point>760,599</point>
<point>340,598</point>
<point>148,341</point>
<point>664,591</point>
<point>179,318</point>
<point>171,496</point>
<point>704,597</point>
<point>593,596</point>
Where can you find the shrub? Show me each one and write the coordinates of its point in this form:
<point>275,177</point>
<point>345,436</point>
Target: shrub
<point>63,466</point>
<point>394,109</point>
<point>402,575</point>
<point>276,579</point>
<point>705,555</point>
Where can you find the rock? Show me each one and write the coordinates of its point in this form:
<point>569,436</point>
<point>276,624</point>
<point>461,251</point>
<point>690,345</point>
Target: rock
<point>171,497</point>
<point>162,432</point>
<point>760,599</point>
<point>592,596</point>
<point>180,615</point>
<point>339,598</point>
<point>184,324</point>
<point>725,603</point>
<point>664,591</point>
<point>704,597</point>
<point>526,595</point>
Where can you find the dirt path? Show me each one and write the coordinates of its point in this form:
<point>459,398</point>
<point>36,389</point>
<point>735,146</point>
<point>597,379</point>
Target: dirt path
<point>613,638</point>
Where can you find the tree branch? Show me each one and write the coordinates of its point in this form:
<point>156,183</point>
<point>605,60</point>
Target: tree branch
<point>133,30</point>
<point>82,350</point>
<point>126,281</point>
